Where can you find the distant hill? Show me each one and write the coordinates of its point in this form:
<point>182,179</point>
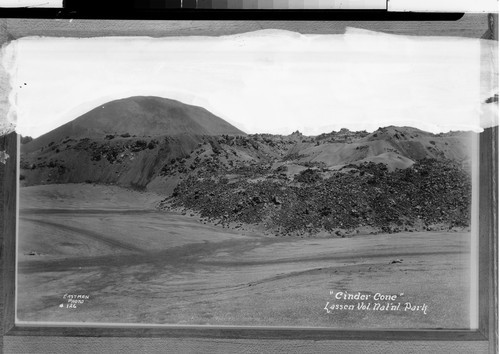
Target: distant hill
<point>140,116</point>
<point>397,147</point>
<point>119,153</point>
<point>394,178</point>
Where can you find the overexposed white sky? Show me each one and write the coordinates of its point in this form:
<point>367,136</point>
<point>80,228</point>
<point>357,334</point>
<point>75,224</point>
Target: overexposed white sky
<point>267,81</point>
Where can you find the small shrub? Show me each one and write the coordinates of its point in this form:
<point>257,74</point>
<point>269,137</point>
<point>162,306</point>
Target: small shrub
<point>308,176</point>
<point>26,139</point>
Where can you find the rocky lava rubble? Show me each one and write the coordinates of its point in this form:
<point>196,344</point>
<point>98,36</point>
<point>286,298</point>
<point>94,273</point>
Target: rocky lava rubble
<point>430,194</point>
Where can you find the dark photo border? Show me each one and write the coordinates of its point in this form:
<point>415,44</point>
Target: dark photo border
<point>229,339</point>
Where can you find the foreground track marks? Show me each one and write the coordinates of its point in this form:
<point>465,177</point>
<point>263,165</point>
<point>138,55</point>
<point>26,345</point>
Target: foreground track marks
<point>87,233</point>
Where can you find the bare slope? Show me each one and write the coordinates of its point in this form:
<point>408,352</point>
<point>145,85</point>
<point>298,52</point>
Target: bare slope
<point>140,116</point>
<point>397,147</point>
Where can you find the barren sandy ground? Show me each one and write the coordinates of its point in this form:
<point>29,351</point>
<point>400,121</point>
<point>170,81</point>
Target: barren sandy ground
<point>139,265</point>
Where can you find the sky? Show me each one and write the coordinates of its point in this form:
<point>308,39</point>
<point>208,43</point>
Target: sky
<point>269,81</point>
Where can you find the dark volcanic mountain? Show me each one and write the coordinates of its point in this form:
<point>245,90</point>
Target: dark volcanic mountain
<point>140,116</point>
<point>392,179</point>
